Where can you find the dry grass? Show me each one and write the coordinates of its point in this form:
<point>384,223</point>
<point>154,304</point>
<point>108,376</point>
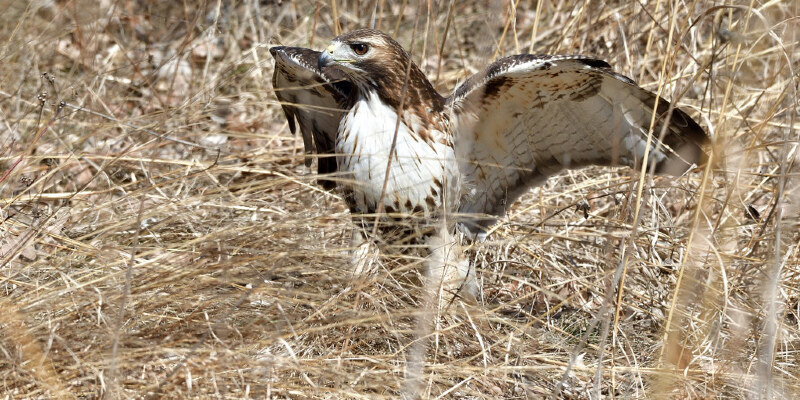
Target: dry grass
<point>133,265</point>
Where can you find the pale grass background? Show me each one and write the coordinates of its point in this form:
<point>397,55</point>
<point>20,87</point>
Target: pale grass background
<point>209,265</point>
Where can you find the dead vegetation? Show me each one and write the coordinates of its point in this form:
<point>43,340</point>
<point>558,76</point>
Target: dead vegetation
<point>160,236</point>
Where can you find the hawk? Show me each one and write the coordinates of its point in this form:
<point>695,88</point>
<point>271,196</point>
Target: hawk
<point>403,155</point>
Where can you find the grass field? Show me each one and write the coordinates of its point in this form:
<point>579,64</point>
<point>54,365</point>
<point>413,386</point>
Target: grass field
<point>160,236</point>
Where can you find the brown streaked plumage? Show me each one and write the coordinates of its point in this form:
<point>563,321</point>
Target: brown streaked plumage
<point>470,155</point>
<point>315,99</point>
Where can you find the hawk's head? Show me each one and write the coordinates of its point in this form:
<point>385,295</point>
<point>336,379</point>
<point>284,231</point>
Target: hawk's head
<point>375,62</point>
<point>362,52</point>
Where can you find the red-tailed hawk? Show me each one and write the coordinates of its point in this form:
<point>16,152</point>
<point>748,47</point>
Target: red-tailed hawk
<point>436,164</point>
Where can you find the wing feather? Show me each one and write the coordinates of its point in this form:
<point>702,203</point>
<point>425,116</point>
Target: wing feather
<point>314,99</point>
<point>527,117</point>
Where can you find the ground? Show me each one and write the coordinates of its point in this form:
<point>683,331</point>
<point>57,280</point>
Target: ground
<point>161,237</point>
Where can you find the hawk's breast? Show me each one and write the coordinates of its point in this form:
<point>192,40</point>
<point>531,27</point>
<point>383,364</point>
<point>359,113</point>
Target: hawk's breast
<point>423,174</point>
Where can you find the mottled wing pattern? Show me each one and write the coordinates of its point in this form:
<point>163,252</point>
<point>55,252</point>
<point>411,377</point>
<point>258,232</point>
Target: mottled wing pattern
<point>315,99</point>
<point>527,117</point>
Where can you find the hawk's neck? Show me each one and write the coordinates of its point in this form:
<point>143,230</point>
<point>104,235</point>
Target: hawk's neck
<point>387,83</point>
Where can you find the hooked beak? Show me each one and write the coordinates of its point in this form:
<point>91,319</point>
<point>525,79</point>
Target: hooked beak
<point>325,59</point>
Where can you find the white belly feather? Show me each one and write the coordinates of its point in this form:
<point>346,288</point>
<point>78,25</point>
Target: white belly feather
<point>363,144</point>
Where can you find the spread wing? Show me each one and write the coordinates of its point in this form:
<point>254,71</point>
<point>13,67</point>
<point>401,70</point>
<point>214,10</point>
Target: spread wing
<point>527,117</point>
<point>315,99</point>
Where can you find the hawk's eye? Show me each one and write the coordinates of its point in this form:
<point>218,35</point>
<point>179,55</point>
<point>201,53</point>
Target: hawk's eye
<point>359,48</point>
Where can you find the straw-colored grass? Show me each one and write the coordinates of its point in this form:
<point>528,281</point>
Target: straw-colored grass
<point>160,236</point>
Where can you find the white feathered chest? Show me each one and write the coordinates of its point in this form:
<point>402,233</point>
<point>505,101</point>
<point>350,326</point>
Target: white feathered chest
<point>422,175</point>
